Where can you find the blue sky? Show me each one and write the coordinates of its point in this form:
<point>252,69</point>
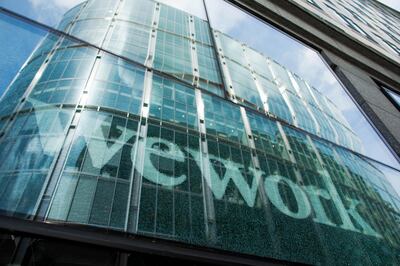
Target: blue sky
<point>18,40</point>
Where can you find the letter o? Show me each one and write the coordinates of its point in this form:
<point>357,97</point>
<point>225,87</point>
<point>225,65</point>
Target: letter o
<point>272,190</point>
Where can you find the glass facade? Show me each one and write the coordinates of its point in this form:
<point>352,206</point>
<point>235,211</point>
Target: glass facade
<point>367,19</point>
<point>156,124</point>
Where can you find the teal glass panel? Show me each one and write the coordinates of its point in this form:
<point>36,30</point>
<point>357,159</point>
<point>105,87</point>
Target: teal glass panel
<point>138,11</point>
<point>116,84</point>
<point>301,113</point>
<point>98,9</point>
<point>301,149</point>
<point>267,137</point>
<point>258,63</point>
<point>223,119</point>
<point>173,56</point>
<point>99,170</point>
<point>171,199</point>
<point>92,31</point>
<point>173,102</point>
<point>243,83</point>
<point>304,91</point>
<point>70,16</point>
<point>232,49</point>
<point>28,150</point>
<point>277,105</point>
<point>174,21</point>
<point>326,130</point>
<point>209,69</point>
<point>202,29</point>
<point>281,76</point>
<point>129,40</point>
<point>18,87</point>
<point>64,76</point>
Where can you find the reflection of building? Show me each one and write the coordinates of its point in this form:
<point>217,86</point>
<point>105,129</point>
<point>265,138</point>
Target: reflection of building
<point>143,141</point>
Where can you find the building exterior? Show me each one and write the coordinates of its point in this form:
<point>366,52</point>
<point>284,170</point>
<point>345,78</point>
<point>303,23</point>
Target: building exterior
<point>143,124</point>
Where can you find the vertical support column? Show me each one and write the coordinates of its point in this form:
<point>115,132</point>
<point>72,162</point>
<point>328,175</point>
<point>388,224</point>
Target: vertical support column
<point>133,208</point>
<point>209,210</point>
<point>54,175</point>
<point>136,179</point>
<point>339,159</point>
<point>255,160</point>
<point>153,36</point>
<point>69,27</point>
<point>193,53</point>
<point>344,214</point>
<point>321,108</point>
<point>296,86</point>
<point>112,22</point>
<point>263,95</point>
<point>254,157</point>
<point>224,67</point>
<point>299,178</point>
<point>284,96</point>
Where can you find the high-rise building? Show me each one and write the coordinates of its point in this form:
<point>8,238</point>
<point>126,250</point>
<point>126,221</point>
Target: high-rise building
<point>139,133</point>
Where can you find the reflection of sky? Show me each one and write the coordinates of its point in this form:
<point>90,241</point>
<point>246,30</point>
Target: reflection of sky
<point>45,11</point>
<point>301,60</point>
<point>391,176</point>
<point>194,7</point>
<point>296,57</point>
<point>17,41</point>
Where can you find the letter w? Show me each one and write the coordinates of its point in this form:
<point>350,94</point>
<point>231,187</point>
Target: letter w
<point>218,185</point>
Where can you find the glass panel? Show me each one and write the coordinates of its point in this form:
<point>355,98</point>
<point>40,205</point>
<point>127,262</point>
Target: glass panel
<point>98,169</point>
<point>116,84</point>
<point>293,68</point>
<point>171,195</point>
<point>173,102</point>
<point>369,20</point>
<point>223,119</point>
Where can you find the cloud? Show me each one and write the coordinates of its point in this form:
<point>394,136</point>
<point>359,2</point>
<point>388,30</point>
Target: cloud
<point>225,17</point>
<point>311,68</point>
<point>59,4</point>
<point>50,11</point>
<point>194,7</point>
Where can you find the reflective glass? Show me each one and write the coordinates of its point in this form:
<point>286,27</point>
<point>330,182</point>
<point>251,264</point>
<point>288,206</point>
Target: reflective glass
<point>278,61</point>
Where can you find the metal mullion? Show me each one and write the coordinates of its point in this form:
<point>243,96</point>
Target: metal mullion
<point>292,158</point>
<point>78,177</point>
<point>138,161</point>
<point>224,68</point>
<point>256,163</point>
<point>262,94</point>
<point>327,180</point>
<point>193,52</point>
<point>153,36</point>
<point>215,50</point>
<point>304,102</point>
<point>59,164</point>
<point>208,203</point>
